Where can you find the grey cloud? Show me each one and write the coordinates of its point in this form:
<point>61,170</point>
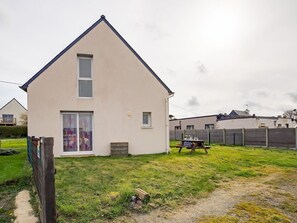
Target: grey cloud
<point>252,104</point>
<point>171,72</point>
<point>262,93</point>
<point>156,32</point>
<point>293,96</point>
<point>193,101</point>
<point>201,68</point>
<point>160,34</point>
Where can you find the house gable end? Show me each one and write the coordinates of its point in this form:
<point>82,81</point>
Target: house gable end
<point>8,103</point>
<point>25,86</point>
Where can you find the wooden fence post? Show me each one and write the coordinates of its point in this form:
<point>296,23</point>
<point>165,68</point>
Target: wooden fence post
<point>48,189</point>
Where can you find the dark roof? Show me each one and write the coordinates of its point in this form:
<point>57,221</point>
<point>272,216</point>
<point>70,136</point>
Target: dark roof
<point>11,101</point>
<point>102,18</point>
<point>239,113</point>
<point>196,117</point>
<point>246,117</point>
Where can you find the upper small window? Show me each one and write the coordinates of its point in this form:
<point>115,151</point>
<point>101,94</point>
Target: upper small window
<point>8,118</point>
<point>147,119</point>
<point>85,85</point>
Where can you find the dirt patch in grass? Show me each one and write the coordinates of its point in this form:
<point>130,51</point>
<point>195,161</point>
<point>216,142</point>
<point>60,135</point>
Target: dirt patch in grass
<point>270,198</point>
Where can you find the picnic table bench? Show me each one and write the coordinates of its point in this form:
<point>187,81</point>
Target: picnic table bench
<point>192,145</point>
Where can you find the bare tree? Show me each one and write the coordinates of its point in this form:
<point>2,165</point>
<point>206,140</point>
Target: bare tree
<point>292,114</point>
<point>24,119</point>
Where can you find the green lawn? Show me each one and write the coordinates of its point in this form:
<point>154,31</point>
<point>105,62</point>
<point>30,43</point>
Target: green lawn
<point>97,189</point>
<point>100,187</point>
<point>14,177</point>
<point>15,166</point>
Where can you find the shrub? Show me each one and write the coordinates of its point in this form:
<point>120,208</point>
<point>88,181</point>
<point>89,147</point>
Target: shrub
<point>13,131</point>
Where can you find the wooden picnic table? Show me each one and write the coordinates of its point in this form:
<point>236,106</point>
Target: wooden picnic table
<point>192,145</point>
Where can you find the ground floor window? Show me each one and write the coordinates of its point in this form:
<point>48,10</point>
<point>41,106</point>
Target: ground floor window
<point>209,126</point>
<point>190,127</point>
<point>177,127</point>
<point>77,132</point>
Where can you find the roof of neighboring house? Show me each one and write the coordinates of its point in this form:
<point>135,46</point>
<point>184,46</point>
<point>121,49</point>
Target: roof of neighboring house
<point>196,117</point>
<point>102,19</point>
<point>239,113</point>
<point>10,102</point>
<point>247,117</point>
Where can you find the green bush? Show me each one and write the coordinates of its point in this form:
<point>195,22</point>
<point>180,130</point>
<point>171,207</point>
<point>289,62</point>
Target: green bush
<point>13,131</point>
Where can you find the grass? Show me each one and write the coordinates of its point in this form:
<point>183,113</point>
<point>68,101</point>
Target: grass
<point>96,189</point>
<point>14,167</point>
<point>14,177</point>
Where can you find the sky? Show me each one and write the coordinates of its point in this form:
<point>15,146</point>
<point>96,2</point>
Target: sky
<point>215,55</point>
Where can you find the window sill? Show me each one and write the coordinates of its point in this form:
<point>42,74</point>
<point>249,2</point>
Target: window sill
<point>146,127</point>
<point>78,154</point>
<point>85,98</point>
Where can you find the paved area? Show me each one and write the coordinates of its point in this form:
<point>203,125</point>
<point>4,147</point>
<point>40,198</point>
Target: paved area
<point>24,211</point>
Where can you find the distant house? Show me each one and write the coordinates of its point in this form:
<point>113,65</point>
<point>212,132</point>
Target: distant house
<point>235,120</point>
<point>238,113</point>
<point>249,122</point>
<point>97,91</point>
<point>12,113</point>
<point>198,122</point>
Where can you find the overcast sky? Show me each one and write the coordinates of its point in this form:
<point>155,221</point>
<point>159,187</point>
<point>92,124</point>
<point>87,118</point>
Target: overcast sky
<point>215,55</point>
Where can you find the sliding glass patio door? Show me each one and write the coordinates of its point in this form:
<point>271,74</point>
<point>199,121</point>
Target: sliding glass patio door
<point>77,132</point>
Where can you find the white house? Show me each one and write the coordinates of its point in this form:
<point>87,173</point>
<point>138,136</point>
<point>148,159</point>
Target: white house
<point>199,122</point>
<point>254,122</point>
<point>12,113</point>
<point>98,90</point>
<point>236,119</point>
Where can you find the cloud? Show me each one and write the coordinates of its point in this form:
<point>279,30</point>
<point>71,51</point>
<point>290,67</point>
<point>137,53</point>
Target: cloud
<point>170,72</point>
<point>293,96</point>
<point>158,32</point>
<point>193,102</point>
<point>201,68</point>
<point>262,93</point>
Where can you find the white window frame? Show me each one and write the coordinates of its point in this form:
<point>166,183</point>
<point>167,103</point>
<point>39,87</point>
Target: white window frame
<point>209,126</point>
<point>84,78</point>
<point>149,125</point>
<point>189,127</point>
<point>177,127</point>
<point>78,152</point>
<point>5,117</point>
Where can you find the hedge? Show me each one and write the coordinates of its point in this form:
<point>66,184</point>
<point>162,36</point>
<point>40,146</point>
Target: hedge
<point>13,131</point>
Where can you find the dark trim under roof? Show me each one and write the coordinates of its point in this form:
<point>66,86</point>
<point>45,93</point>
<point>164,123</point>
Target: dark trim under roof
<point>196,117</point>
<point>11,101</point>
<point>25,86</point>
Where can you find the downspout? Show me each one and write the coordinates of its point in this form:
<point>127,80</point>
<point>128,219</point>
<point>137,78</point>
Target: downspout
<point>167,138</point>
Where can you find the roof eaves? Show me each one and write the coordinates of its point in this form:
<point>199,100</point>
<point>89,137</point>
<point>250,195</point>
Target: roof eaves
<point>195,117</point>
<point>25,86</point>
<point>139,58</point>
